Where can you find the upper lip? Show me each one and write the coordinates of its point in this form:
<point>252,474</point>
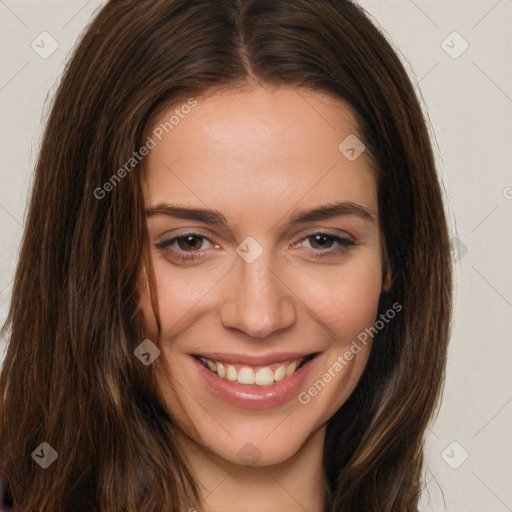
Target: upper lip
<point>254,360</point>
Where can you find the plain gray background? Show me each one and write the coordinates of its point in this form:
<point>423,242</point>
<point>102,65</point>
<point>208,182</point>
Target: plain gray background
<point>459,54</point>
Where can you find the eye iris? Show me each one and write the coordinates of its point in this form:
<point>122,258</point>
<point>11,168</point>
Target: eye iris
<point>321,239</point>
<point>189,240</point>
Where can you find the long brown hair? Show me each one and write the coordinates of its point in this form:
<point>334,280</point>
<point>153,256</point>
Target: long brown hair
<point>70,377</point>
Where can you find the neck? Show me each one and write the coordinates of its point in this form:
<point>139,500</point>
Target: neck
<point>296,484</point>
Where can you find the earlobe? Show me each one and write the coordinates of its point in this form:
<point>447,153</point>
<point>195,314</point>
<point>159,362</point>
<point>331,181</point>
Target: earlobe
<point>388,281</point>
<point>387,275</point>
<point>387,278</point>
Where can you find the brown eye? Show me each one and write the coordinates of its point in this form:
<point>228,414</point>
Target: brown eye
<point>321,241</point>
<point>185,248</point>
<point>325,245</point>
<point>187,242</point>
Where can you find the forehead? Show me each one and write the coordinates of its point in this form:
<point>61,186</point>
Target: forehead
<point>257,148</point>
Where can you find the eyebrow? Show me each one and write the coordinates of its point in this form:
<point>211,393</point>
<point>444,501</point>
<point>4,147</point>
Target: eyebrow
<point>214,217</point>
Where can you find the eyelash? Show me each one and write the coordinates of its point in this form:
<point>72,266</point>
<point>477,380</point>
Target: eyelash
<point>345,244</point>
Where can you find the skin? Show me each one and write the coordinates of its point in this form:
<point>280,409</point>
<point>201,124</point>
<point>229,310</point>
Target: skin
<point>258,155</point>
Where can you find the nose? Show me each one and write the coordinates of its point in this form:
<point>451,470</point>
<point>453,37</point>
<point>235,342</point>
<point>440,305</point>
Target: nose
<point>258,300</point>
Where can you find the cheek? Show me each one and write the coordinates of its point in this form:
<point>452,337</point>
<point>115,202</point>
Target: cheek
<point>346,303</point>
<point>179,294</point>
<point>346,298</point>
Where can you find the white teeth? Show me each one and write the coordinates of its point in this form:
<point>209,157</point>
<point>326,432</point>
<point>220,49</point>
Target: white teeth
<point>264,376</point>
<point>221,371</point>
<point>290,369</point>
<point>211,365</point>
<point>246,376</point>
<point>231,373</point>
<point>280,373</point>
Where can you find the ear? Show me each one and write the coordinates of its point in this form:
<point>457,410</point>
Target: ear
<point>387,273</point>
<point>387,277</point>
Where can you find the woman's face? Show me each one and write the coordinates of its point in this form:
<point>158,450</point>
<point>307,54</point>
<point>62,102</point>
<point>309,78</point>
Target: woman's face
<point>254,272</point>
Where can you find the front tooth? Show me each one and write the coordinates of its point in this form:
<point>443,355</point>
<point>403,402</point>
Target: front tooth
<point>231,373</point>
<point>290,369</point>
<point>263,377</point>
<point>221,371</point>
<point>246,375</point>
<point>280,373</point>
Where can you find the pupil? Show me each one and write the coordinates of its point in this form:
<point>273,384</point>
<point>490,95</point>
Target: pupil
<point>320,239</point>
<point>186,242</point>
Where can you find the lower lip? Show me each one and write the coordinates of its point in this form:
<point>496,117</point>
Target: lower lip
<point>252,396</point>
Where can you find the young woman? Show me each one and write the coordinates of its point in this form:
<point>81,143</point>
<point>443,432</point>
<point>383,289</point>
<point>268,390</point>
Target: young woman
<point>234,288</point>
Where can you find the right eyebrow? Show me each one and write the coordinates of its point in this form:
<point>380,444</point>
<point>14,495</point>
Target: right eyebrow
<point>182,212</point>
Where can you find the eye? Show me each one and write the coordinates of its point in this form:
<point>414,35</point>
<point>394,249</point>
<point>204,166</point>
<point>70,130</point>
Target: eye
<point>321,241</point>
<point>191,246</point>
<point>186,246</point>
<point>322,244</point>
<point>191,241</point>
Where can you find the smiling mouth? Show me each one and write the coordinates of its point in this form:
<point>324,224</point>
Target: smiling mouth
<point>259,375</point>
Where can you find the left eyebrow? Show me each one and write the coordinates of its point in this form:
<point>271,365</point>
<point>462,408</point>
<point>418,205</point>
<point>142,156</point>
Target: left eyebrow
<point>331,210</point>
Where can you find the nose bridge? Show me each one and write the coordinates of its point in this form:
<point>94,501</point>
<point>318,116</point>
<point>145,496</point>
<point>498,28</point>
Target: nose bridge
<point>257,302</point>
